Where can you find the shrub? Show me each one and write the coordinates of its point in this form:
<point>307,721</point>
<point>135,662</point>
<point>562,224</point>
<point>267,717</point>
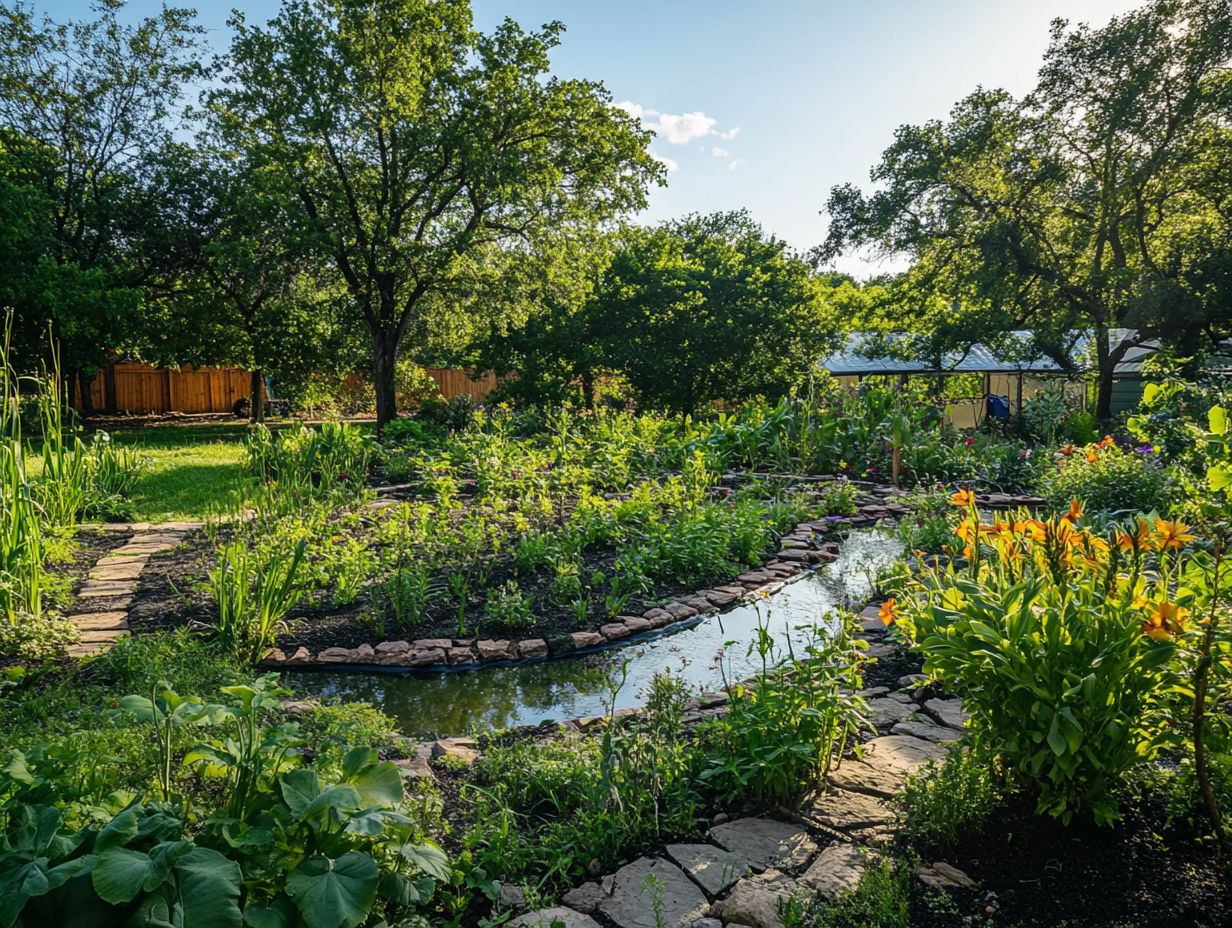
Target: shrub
<point>943,803</point>
<point>508,607</point>
<point>1109,479</point>
<point>1062,647</point>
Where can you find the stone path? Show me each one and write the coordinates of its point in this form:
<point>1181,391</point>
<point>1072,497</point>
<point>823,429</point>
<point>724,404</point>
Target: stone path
<point>104,597</point>
<point>745,870</point>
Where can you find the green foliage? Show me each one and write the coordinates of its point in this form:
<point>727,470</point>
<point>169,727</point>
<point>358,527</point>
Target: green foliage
<point>943,803</point>
<point>305,464</point>
<point>507,607</point>
<point>480,147</point>
<point>930,526</point>
<point>881,900</point>
<point>1063,651</point>
<point>1110,480</point>
<point>252,593</point>
<point>290,846</point>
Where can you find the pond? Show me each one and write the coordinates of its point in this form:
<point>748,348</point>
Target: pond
<point>702,652</point>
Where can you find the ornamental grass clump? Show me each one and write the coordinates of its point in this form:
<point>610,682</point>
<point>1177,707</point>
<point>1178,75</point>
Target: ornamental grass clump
<point>1063,645</point>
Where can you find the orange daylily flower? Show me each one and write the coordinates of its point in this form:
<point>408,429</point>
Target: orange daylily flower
<point>963,498</point>
<point>1075,511</point>
<point>1106,442</point>
<point>1066,451</point>
<point>1092,457</point>
<point>888,612</point>
<point>1166,621</point>
<point>1173,534</point>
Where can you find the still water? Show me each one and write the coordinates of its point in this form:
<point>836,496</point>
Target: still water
<point>443,703</point>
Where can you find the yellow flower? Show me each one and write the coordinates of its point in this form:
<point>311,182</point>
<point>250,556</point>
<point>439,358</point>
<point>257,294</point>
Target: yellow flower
<point>1173,534</point>
<point>1075,511</point>
<point>962,499</point>
<point>888,612</point>
<point>1092,457</point>
<point>1107,442</point>
<point>1166,621</point>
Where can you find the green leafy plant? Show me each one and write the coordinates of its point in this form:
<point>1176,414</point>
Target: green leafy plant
<point>252,593</point>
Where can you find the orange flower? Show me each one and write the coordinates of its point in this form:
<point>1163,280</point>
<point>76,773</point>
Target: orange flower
<point>1075,511</point>
<point>1092,457</point>
<point>1066,451</point>
<point>1106,442</point>
<point>966,530</point>
<point>888,612</point>
<point>1166,621</point>
<point>963,498</point>
<point>1173,534</point>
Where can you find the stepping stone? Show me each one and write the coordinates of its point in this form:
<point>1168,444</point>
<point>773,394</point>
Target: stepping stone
<point>756,901</point>
<point>711,868</point>
<point>884,712</point>
<point>884,764</point>
<point>558,915</point>
<point>94,588</point>
<point>921,726</point>
<point>836,871</point>
<point>100,621</point>
<point>949,711</point>
<point>766,843</point>
<point>585,898</point>
<point>181,526</point>
<point>846,810</point>
<point>653,894</point>
<point>126,569</point>
<point>97,636</point>
<point>943,876</point>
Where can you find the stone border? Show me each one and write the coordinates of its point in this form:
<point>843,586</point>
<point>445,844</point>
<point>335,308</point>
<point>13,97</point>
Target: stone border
<point>798,554</point>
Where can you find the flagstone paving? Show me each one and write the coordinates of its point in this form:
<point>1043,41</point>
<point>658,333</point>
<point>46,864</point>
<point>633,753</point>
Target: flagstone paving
<point>112,581</point>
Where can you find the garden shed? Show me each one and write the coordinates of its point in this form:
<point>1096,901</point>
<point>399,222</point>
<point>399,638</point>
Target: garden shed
<point>1013,380</point>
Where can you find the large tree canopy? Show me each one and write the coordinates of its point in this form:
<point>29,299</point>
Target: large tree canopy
<point>415,142</point>
<point>690,312</point>
<point>83,106</point>
<point>1065,211</point>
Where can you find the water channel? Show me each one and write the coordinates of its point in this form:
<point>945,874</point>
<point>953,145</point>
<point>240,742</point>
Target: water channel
<point>446,703</point>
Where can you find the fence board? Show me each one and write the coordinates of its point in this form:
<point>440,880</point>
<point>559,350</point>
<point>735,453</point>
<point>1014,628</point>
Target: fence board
<point>142,389</point>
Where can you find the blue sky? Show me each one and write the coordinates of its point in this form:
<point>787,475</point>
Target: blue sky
<point>766,104</point>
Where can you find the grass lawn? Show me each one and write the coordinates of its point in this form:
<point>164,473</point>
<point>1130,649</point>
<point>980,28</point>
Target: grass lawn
<point>190,471</point>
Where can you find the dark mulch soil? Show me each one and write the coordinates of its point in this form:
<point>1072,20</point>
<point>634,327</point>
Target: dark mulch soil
<point>170,593</point>
<point>886,671</point>
<point>1034,871</point>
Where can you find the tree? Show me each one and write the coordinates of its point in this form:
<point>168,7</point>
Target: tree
<point>83,104</point>
<point>230,282</point>
<point>708,308</point>
<point>1058,212</point>
<point>415,143</point>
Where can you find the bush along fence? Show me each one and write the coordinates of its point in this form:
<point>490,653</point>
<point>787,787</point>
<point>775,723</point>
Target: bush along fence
<point>810,544</point>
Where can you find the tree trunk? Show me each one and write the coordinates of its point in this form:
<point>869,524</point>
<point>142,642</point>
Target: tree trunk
<point>384,358</point>
<point>1105,365</point>
<point>83,387</point>
<point>256,398</point>
<point>588,389</point>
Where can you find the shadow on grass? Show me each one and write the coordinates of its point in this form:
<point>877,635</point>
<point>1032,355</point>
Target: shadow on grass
<point>188,490</point>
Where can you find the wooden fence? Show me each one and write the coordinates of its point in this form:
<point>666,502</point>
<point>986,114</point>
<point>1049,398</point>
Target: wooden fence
<point>142,389</point>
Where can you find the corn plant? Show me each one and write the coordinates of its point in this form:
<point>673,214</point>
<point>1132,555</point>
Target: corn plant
<point>252,594</point>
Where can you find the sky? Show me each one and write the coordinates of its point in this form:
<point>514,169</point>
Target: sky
<point>766,104</point>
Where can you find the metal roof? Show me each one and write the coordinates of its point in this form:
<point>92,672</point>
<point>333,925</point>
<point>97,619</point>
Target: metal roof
<point>867,354</point>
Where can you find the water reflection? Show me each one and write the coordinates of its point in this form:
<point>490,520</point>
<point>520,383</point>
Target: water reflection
<point>437,704</point>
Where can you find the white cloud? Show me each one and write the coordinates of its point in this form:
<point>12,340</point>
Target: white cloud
<point>729,134</point>
<point>719,152</point>
<point>670,163</point>
<point>680,129</point>
<point>636,110</point>
<point>735,163</point>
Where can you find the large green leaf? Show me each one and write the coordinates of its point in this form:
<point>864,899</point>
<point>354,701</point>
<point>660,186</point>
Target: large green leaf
<point>299,788</point>
<point>1217,418</point>
<point>120,874</point>
<point>208,887</point>
<point>334,893</point>
<point>378,785</point>
<point>427,857</point>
